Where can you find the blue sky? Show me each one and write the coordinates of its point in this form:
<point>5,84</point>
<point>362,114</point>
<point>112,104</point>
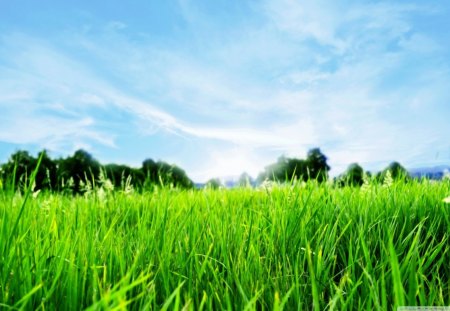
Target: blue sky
<point>222,87</point>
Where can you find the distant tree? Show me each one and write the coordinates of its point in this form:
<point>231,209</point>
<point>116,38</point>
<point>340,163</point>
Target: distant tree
<point>287,169</point>
<point>150,170</point>
<point>157,173</point>
<point>317,165</point>
<point>397,171</point>
<point>79,167</point>
<point>47,175</point>
<point>118,174</point>
<point>354,176</point>
<point>214,183</point>
<point>21,165</point>
<point>297,169</point>
<point>18,169</point>
<point>178,177</point>
<point>276,171</point>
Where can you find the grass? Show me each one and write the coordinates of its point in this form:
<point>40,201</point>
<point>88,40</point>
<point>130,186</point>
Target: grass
<point>304,246</point>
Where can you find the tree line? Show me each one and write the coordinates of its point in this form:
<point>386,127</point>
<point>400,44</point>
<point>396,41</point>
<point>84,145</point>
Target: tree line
<point>354,175</point>
<point>315,167</point>
<point>75,172</point>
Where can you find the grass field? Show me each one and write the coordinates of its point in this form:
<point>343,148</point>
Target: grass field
<point>304,246</point>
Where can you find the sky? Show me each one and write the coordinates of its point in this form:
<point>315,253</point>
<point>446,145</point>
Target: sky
<point>226,86</point>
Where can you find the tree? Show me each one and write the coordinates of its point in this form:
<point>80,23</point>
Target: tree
<point>47,176</point>
<point>297,169</point>
<point>397,171</point>
<point>276,171</point>
<point>79,167</point>
<point>118,174</point>
<point>150,170</point>
<point>214,183</point>
<point>353,176</point>
<point>21,165</point>
<point>16,172</point>
<point>317,165</point>
<point>178,177</point>
<point>287,169</point>
<point>162,172</point>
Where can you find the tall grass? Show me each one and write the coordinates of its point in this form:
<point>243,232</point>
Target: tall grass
<point>303,246</point>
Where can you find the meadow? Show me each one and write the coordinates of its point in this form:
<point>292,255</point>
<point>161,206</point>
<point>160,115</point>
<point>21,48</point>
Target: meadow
<point>301,246</point>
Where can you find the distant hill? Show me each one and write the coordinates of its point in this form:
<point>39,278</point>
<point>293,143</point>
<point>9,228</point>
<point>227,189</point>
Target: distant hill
<point>436,172</point>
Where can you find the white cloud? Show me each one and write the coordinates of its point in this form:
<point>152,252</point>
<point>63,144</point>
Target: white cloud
<point>280,137</point>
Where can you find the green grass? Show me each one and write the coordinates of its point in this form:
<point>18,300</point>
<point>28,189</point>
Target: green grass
<point>304,247</point>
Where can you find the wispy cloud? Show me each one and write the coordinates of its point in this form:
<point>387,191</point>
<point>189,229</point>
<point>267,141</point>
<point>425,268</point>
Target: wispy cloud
<point>345,26</point>
<point>354,78</point>
<point>52,133</point>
